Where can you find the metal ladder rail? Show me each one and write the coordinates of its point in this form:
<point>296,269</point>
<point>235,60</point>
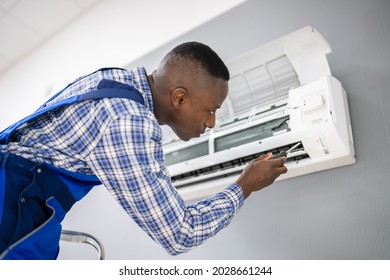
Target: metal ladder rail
<point>82,237</point>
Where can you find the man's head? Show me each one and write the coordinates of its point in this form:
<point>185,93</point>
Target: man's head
<point>188,87</point>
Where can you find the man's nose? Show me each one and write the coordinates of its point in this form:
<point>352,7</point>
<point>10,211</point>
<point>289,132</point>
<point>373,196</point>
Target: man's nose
<point>210,122</point>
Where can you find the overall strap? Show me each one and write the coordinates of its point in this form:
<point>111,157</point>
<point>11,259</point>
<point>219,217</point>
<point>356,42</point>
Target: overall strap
<point>79,184</point>
<point>113,89</point>
<point>105,89</point>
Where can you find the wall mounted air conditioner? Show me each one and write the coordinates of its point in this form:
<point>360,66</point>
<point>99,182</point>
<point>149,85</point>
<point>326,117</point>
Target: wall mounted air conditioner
<point>281,94</point>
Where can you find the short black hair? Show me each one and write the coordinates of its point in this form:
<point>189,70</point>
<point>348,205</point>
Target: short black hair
<point>202,55</point>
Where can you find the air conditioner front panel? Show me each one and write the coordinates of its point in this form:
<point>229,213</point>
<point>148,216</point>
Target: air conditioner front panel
<point>281,94</point>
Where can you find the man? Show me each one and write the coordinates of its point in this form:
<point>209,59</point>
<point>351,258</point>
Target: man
<point>104,128</point>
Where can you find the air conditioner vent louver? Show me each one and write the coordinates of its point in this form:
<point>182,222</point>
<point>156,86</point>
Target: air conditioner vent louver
<point>258,85</point>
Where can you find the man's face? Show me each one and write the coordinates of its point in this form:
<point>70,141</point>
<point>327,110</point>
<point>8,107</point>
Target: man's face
<point>198,109</point>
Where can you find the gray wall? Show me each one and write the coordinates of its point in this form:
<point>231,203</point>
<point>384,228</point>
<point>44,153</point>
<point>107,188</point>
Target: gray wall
<point>342,213</point>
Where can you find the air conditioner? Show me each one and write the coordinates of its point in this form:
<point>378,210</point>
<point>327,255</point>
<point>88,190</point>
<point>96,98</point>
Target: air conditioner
<point>281,94</point>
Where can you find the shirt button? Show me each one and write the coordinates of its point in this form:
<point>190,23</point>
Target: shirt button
<point>22,199</point>
<point>39,170</point>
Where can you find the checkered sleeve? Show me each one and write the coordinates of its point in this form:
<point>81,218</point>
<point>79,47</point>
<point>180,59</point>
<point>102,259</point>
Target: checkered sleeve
<point>129,161</point>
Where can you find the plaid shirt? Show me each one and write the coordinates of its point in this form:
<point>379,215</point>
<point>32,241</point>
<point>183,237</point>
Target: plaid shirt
<point>119,141</point>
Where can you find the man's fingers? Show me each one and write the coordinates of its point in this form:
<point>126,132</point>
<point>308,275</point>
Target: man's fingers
<point>277,161</point>
<point>282,170</point>
<point>265,157</point>
<point>278,164</point>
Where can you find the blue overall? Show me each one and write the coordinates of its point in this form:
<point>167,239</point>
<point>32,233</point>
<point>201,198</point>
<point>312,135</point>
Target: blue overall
<point>35,197</point>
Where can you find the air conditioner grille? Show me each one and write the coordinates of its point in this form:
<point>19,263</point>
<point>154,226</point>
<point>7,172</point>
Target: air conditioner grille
<point>232,167</point>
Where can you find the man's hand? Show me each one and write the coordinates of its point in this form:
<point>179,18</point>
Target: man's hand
<point>260,173</point>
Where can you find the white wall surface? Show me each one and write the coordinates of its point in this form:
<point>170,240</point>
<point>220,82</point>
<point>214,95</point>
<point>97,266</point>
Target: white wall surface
<point>343,213</point>
<point>336,214</point>
<point>112,33</point>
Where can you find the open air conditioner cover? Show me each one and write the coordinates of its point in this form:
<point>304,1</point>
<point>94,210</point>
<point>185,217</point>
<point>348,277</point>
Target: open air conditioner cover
<point>281,94</point>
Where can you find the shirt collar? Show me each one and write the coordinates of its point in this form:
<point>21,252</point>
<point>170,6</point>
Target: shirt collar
<point>140,79</point>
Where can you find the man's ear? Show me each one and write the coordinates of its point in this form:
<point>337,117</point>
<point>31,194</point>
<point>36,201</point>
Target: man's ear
<point>179,96</point>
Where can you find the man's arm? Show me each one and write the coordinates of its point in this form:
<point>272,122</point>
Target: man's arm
<point>130,163</point>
